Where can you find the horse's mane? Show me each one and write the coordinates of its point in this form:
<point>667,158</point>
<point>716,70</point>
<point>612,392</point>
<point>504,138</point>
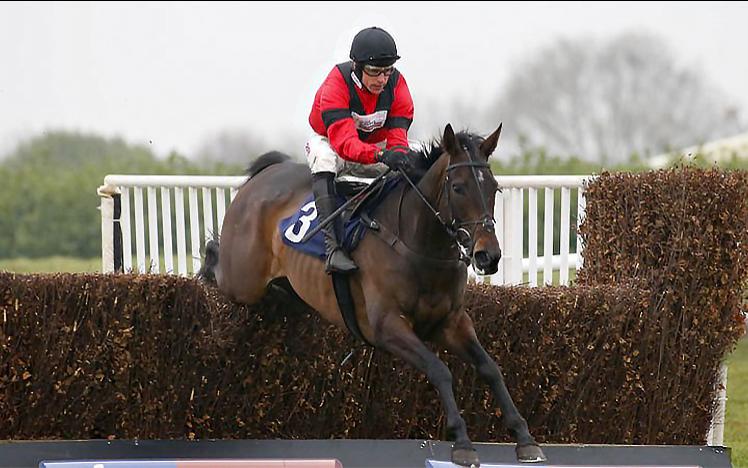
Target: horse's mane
<point>431,152</point>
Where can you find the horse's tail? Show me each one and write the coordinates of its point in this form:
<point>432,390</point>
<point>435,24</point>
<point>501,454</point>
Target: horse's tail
<point>207,271</point>
<point>267,160</point>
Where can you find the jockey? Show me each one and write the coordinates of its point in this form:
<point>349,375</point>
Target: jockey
<point>360,117</point>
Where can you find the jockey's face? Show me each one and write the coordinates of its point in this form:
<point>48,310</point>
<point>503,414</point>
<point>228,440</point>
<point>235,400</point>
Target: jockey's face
<point>375,78</point>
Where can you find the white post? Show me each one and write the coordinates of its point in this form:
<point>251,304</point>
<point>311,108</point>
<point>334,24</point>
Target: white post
<point>194,229</point>
<point>564,237</point>
<point>166,223</point>
<point>715,437</point>
<point>220,208</point>
<point>124,224</point>
<point>518,250</point>
<point>508,235</point>
<point>107,226</point>
<point>500,217</point>
<point>139,229</point>
<point>181,236</point>
<point>207,215</point>
<point>532,235</point>
<point>155,265</point>
<point>548,238</point>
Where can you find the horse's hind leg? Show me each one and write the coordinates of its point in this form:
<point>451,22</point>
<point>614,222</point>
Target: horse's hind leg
<point>459,337</point>
<point>207,271</point>
<point>241,273</point>
<point>395,335</point>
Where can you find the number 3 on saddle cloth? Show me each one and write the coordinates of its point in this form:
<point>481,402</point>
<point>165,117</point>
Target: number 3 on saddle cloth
<point>294,228</point>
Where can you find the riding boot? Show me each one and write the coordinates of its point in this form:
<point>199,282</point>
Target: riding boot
<point>323,185</point>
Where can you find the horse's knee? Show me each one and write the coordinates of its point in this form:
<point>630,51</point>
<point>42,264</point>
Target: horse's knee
<point>489,371</point>
<point>439,374</point>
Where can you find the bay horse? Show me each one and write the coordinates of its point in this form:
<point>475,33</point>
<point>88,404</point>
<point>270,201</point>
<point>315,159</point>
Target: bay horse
<point>409,289</point>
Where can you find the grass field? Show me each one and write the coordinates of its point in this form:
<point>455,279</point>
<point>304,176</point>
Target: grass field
<point>736,418</point>
<point>51,265</point>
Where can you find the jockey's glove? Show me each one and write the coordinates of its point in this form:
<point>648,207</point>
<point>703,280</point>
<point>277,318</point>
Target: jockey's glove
<point>399,158</point>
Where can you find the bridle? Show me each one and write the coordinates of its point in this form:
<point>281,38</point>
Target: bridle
<point>458,229</point>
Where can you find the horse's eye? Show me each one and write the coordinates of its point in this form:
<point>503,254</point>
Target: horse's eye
<point>458,189</point>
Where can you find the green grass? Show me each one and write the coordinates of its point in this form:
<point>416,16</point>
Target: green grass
<point>556,278</point>
<point>68,264</point>
<point>736,417</point>
<point>51,265</point>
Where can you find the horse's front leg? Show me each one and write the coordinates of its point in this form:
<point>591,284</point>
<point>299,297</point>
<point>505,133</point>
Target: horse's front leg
<point>393,333</point>
<point>459,337</point>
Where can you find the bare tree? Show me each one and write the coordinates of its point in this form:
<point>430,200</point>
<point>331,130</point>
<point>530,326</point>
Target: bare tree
<point>230,147</point>
<point>605,101</point>
<point>241,147</point>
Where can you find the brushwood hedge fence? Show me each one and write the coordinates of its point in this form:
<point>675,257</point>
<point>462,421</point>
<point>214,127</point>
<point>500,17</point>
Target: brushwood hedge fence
<point>629,355</point>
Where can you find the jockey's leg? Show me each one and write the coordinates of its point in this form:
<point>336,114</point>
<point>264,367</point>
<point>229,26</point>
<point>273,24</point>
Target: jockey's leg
<point>323,184</point>
<point>324,163</point>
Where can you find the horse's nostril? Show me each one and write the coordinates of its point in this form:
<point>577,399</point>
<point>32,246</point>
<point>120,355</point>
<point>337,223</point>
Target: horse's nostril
<point>482,258</point>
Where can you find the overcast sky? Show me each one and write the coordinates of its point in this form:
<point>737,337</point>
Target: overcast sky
<point>172,74</point>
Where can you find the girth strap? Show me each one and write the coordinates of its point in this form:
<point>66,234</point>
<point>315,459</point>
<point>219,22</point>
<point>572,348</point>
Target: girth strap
<point>342,287</point>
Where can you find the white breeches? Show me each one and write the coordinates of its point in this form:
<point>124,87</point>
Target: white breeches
<point>322,158</point>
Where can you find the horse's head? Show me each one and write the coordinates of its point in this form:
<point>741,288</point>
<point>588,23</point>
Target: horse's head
<point>469,195</point>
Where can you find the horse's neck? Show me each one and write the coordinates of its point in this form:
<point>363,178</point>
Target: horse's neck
<point>419,226</point>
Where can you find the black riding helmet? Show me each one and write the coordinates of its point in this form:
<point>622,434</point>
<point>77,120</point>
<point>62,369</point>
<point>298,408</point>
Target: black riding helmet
<point>374,46</point>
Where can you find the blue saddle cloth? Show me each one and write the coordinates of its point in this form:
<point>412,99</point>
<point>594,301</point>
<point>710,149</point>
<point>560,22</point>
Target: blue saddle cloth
<point>295,227</point>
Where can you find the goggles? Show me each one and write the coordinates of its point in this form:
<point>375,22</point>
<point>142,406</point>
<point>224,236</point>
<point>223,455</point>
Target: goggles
<point>376,71</point>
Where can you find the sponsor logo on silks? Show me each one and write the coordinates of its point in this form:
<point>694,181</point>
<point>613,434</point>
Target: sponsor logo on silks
<point>370,122</point>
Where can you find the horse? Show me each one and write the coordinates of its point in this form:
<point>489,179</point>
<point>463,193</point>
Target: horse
<point>412,270</point>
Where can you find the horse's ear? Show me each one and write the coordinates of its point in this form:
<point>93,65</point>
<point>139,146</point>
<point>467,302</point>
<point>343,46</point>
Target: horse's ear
<point>449,140</point>
<point>489,144</point>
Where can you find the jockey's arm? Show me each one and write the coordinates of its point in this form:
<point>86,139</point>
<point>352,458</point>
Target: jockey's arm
<point>345,141</point>
<point>400,116</point>
<point>397,137</point>
<point>342,132</point>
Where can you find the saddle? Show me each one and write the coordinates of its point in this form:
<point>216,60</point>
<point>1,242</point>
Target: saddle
<point>294,228</point>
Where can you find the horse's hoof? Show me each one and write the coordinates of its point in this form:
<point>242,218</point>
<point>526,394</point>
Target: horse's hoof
<point>465,457</point>
<point>530,454</point>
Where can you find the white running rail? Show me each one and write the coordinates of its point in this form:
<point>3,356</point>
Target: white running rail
<point>149,226</point>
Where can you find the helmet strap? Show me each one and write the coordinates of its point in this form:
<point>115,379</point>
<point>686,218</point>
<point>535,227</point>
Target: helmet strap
<point>358,71</point>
